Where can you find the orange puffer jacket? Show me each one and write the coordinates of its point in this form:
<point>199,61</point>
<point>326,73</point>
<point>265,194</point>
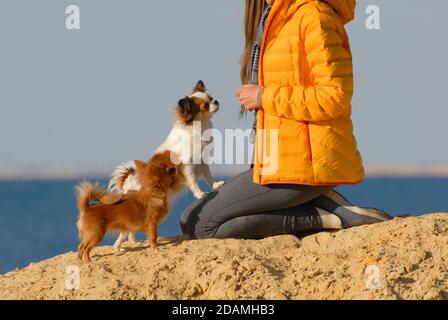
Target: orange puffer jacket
<point>304,127</point>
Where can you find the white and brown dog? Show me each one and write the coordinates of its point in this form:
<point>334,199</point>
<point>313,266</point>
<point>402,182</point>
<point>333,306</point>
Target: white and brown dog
<point>193,118</point>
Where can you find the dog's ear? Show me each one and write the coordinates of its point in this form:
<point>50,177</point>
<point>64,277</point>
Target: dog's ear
<point>166,156</point>
<point>187,109</point>
<point>200,87</point>
<point>175,158</point>
<point>185,103</point>
<point>141,165</point>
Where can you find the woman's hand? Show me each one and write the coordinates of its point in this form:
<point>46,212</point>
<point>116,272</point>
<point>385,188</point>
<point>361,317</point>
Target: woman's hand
<point>250,96</point>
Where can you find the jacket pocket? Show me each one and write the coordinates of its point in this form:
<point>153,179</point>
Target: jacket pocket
<point>308,141</point>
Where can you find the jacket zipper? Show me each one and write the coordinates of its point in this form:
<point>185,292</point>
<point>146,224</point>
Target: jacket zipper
<point>308,141</point>
<point>260,71</point>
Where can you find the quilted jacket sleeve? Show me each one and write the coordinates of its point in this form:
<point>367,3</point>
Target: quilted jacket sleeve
<point>329,94</point>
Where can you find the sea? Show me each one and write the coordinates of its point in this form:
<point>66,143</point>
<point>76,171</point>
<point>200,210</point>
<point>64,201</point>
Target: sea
<point>38,218</point>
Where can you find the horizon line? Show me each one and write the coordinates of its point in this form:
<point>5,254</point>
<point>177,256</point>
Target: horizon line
<point>71,173</point>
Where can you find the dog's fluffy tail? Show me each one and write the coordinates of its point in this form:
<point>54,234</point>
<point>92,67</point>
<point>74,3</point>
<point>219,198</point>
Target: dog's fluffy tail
<point>87,191</point>
<point>124,178</point>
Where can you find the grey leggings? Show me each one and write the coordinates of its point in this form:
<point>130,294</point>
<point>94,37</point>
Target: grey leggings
<point>243,209</point>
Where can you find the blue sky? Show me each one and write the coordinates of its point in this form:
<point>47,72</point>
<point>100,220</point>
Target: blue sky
<point>107,92</point>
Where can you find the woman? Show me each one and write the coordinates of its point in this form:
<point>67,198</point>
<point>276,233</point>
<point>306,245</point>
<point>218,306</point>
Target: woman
<point>297,71</point>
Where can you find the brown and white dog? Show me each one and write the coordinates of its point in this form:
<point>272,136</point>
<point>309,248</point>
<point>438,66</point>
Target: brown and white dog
<point>193,118</point>
<point>138,211</point>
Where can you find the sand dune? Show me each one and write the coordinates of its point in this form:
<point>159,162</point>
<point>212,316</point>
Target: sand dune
<point>406,258</point>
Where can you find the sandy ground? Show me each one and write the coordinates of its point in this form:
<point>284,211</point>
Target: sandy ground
<point>406,258</point>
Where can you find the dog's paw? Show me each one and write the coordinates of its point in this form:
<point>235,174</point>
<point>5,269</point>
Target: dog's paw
<point>154,246</point>
<point>119,250</point>
<point>200,195</point>
<point>134,243</point>
<point>218,185</point>
<point>131,239</point>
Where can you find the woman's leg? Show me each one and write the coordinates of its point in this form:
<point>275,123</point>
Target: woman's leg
<point>240,197</point>
<point>349,214</point>
<point>332,209</point>
<point>296,220</point>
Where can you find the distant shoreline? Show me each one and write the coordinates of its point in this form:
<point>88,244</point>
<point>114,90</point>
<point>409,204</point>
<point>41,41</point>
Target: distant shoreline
<point>408,170</point>
<point>95,172</point>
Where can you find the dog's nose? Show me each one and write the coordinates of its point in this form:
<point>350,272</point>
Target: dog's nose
<point>216,102</point>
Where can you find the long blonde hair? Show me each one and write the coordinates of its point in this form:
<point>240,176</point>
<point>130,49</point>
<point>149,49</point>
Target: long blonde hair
<point>252,19</point>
